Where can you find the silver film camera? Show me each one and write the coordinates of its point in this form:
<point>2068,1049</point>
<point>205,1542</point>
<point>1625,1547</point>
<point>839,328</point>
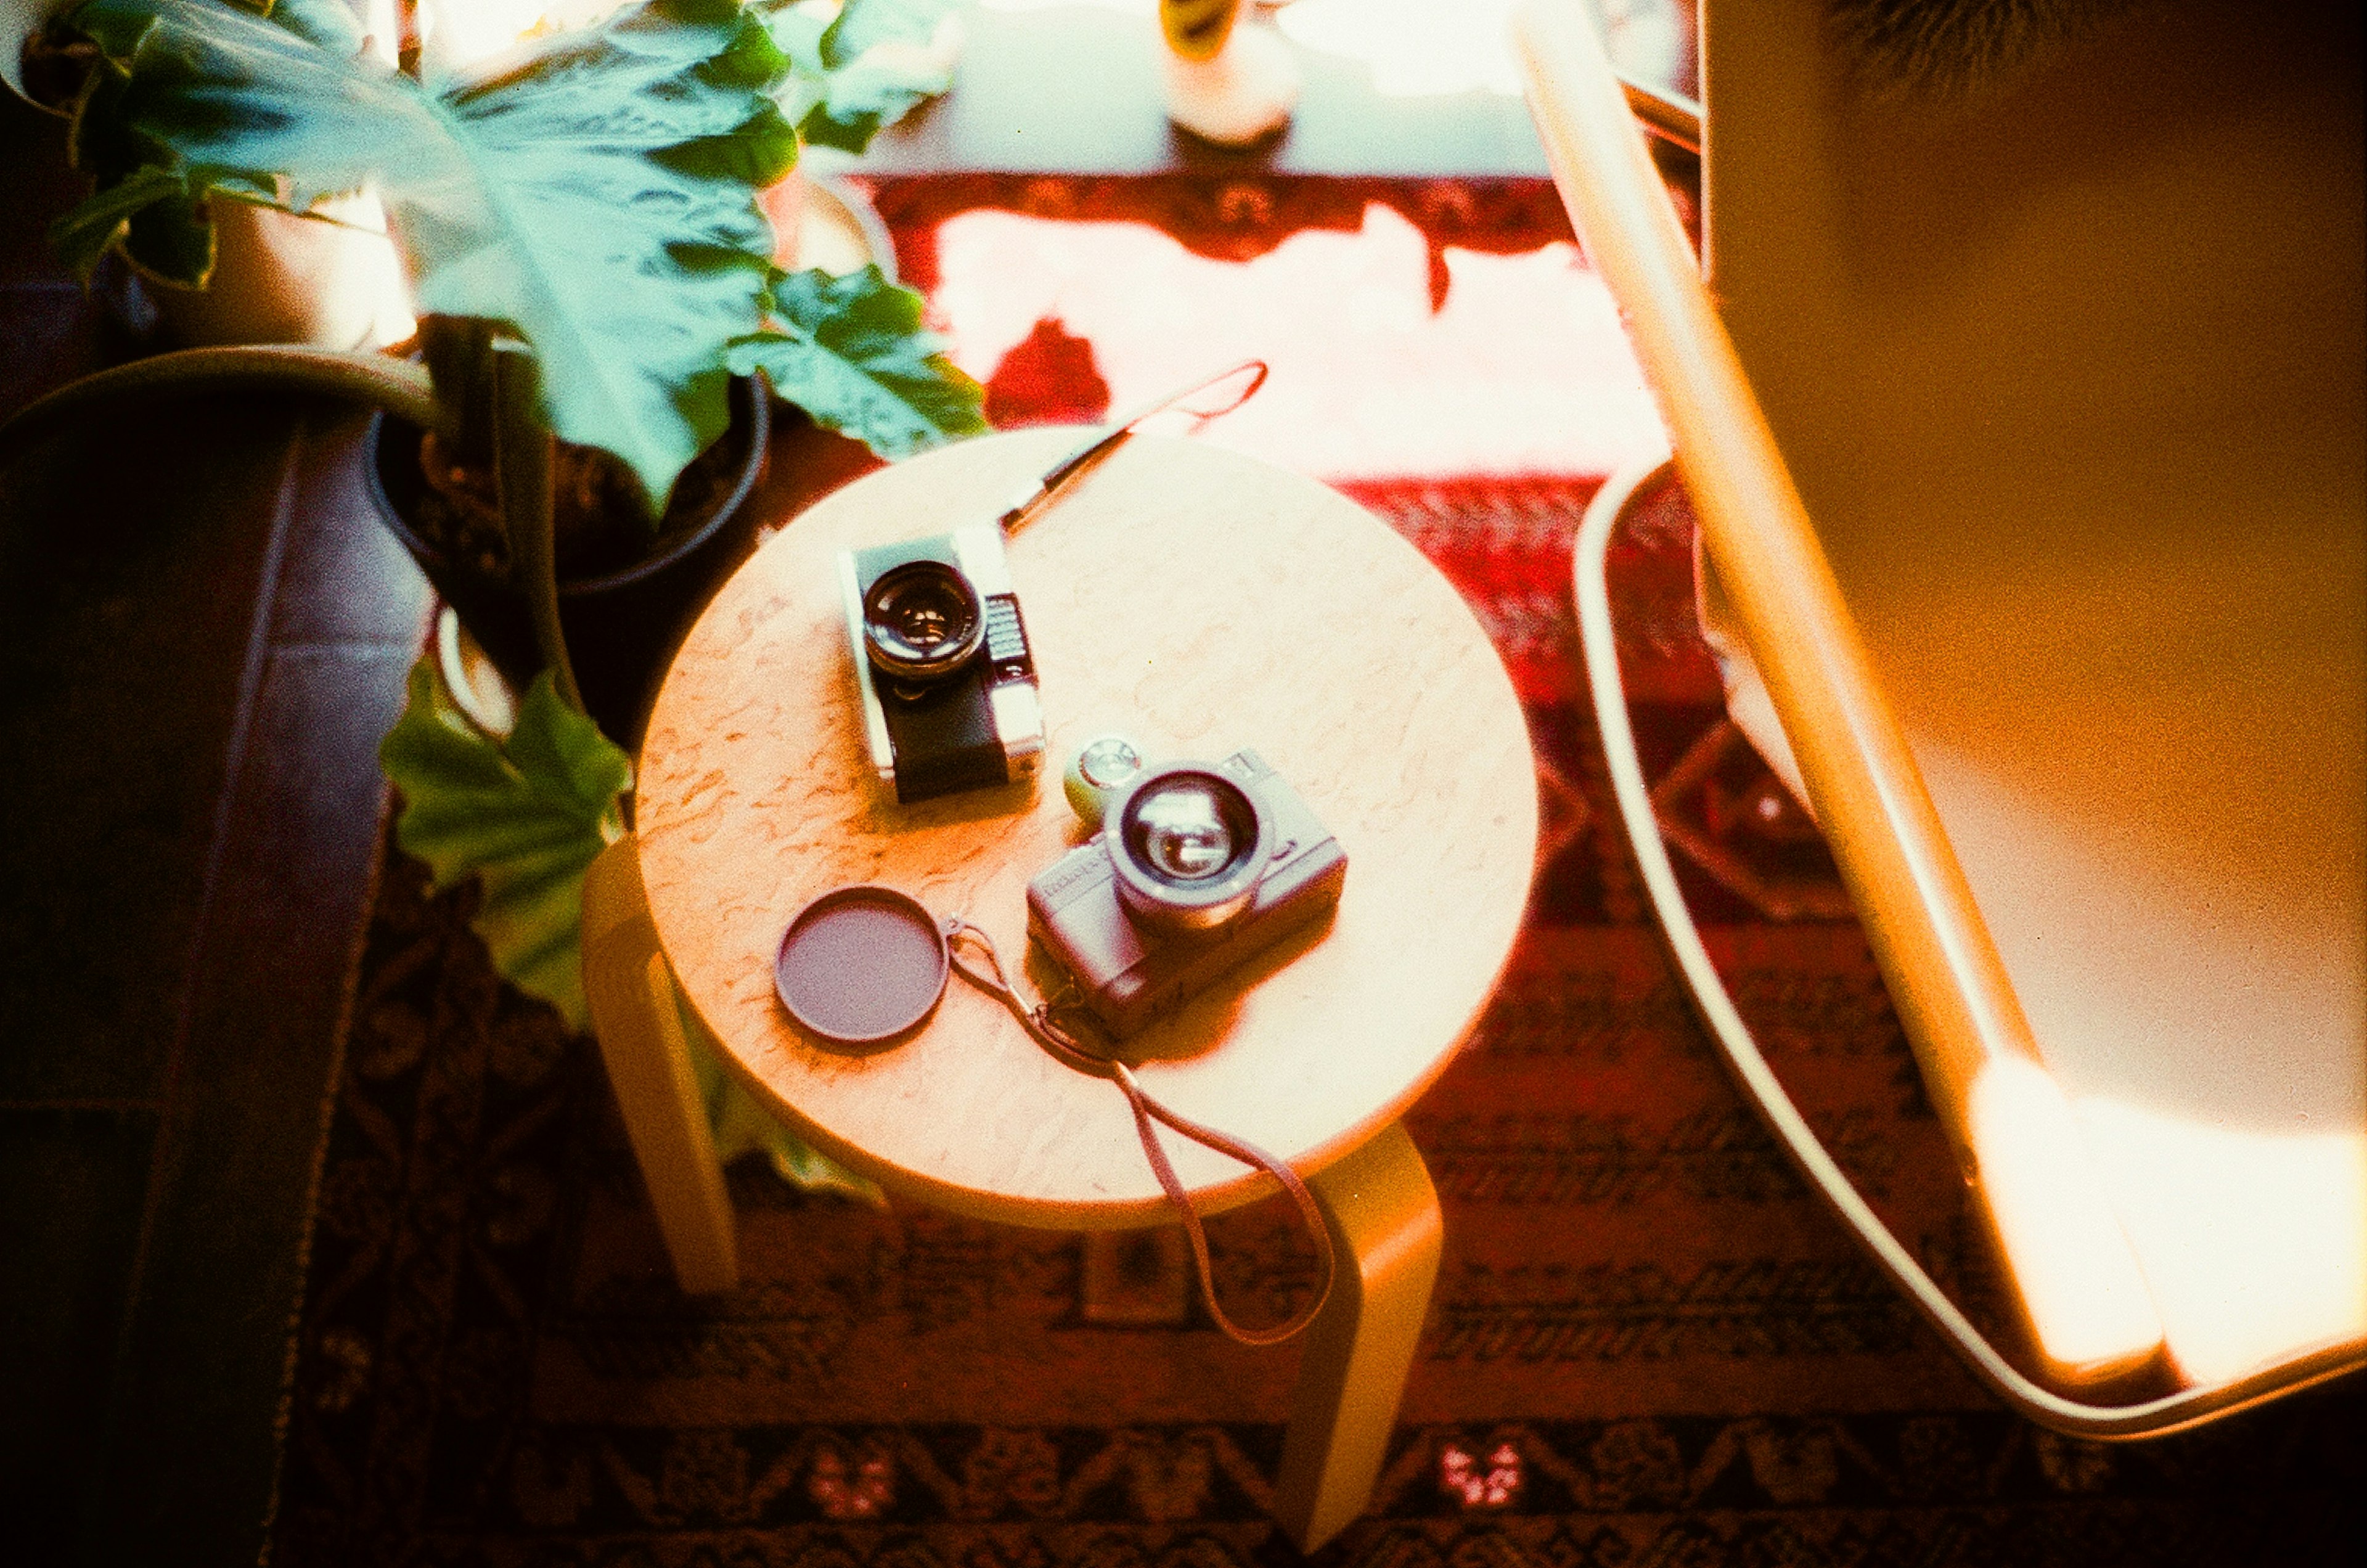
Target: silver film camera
<point>1197,868</point>
<point>942,663</point>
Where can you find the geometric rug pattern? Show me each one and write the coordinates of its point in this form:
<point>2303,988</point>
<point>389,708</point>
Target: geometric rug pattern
<point>1648,1345</point>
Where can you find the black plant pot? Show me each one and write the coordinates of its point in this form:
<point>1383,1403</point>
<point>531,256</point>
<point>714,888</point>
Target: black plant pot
<point>622,626</point>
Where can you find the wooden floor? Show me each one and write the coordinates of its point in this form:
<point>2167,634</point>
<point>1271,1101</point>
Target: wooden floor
<point>203,633</point>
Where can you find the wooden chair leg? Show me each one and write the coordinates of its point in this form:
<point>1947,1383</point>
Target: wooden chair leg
<point>634,1016</point>
<point>1383,1214</point>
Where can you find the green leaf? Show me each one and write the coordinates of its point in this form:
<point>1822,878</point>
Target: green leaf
<point>172,240</point>
<point>742,1126</point>
<point>525,815</point>
<point>864,24</point>
<point>155,195</point>
<point>798,28</point>
<point>878,90</point>
<point>329,23</point>
<point>861,70</point>
<point>851,352</point>
<point>597,195</point>
<point>142,197</point>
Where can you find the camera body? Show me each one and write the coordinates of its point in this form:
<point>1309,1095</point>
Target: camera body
<point>1140,941</point>
<point>942,665</point>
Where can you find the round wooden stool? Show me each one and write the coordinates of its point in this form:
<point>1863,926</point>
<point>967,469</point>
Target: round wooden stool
<point>1203,601</point>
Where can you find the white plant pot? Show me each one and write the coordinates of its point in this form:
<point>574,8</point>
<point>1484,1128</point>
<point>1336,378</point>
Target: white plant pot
<point>280,278</point>
<point>20,20</point>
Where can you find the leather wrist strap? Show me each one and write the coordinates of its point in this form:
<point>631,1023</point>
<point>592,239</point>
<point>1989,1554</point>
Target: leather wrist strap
<point>1071,1052</point>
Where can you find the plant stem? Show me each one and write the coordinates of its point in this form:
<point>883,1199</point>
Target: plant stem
<point>522,462</point>
<point>460,354</point>
<point>402,389</point>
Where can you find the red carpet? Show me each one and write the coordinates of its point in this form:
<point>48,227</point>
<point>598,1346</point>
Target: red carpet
<point>1648,1345</point>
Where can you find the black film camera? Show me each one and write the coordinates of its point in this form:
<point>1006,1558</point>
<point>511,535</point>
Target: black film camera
<point>942,664</point>
<point>1197,868</point>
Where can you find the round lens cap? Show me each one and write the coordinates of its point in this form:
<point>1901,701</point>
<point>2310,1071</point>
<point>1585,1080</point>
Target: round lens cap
<point>861,966</point>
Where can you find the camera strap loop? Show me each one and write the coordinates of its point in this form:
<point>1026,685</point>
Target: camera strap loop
<point>1145,1109</point>
<point>1073,1053</point>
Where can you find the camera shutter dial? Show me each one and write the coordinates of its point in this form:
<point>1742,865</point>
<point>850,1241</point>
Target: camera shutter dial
<point>1098,774</point>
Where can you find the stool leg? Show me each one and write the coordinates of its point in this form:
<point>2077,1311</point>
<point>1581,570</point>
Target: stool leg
<point>633,1015</point>
<point>1386,1231</point>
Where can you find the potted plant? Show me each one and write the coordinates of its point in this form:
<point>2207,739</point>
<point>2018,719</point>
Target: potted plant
<point>579,224</point>
<point>580,228</point>
<point>277,278</point>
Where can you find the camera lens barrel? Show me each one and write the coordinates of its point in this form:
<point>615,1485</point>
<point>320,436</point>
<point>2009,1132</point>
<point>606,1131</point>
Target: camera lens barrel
<point>921,622</point>
<point>1189,846</point>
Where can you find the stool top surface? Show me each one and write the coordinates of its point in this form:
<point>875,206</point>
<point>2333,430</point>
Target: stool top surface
<point>1203,601</point>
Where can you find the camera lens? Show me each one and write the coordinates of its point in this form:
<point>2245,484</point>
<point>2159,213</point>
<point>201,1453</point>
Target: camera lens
<point>1181,832</point>
<point>922,621</point>
<point>1189,845</point>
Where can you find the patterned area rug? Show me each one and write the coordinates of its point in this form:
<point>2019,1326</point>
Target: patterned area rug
<point>1648,1344</point>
